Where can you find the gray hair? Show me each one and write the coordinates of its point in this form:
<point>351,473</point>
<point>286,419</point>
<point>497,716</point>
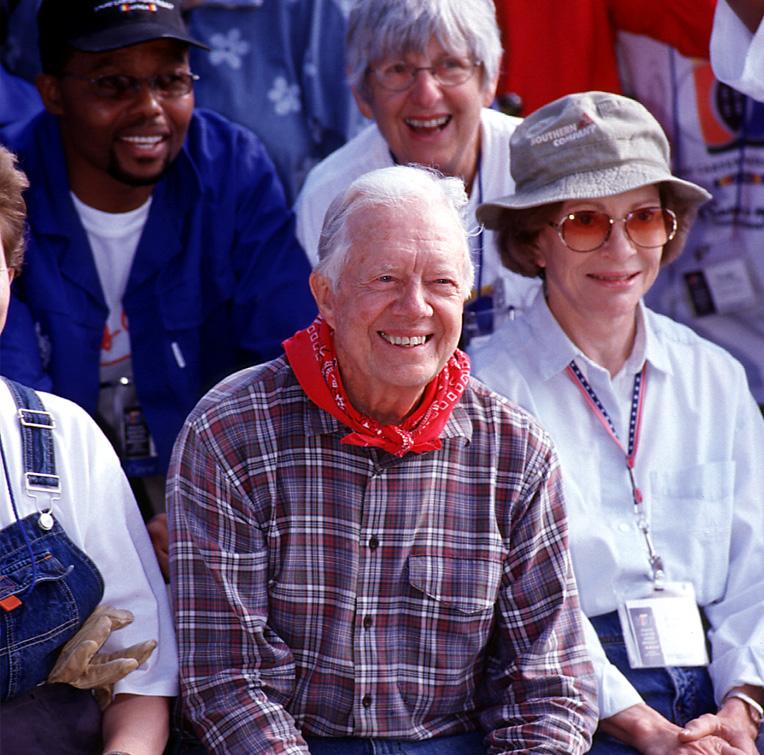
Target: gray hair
<point>392,188</point>
<point>379,29</point>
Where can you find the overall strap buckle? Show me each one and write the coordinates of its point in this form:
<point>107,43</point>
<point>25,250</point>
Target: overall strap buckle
<point>37,441</point>
<point>36,418</point>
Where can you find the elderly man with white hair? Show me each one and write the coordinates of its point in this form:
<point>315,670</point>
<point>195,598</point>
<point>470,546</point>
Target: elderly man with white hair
<point>368,547</point>
<point>426,72</point>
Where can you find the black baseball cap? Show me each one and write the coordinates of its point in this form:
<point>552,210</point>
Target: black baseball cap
<point>100,25</point>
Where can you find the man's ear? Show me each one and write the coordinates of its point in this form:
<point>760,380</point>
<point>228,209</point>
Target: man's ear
<point>49,88</point>
<point>323,293</point>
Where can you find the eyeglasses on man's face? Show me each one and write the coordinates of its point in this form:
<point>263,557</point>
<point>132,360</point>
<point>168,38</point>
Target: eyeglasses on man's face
<point>588,230</point>
<point>398,75</point>
<point>120,86</point>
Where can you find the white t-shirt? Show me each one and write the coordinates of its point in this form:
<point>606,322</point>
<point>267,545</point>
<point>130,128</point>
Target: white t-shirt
<point>98,513</point>
<point>114,238</point>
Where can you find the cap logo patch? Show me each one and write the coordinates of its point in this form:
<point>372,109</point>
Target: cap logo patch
<point>564,134</point>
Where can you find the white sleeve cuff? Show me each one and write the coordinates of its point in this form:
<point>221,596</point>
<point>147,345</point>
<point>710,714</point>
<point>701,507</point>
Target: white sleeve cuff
<point>614,691</point>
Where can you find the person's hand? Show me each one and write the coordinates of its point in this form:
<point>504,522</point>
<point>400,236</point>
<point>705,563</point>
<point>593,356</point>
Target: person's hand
<point>81,665</point>
<point>671,743</point>
<point>160,539</point>
<point>732,724</point>
<point>650,733</point>
<point>708,746</point>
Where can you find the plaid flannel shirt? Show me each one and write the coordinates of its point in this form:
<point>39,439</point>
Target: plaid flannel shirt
<point>335,590</point>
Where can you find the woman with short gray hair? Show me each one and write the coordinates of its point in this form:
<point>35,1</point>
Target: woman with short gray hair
<point>377,30</point>
<point>425,72</point>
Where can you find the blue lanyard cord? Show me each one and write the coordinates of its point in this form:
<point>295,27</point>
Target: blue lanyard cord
<point>598,408</point>
<point>18,519</point>
<point>630,453</point>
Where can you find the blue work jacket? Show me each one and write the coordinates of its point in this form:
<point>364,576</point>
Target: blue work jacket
<point>218,279</point>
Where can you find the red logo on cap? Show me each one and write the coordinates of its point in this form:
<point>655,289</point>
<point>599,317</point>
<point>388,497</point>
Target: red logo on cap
<point>127,7</point>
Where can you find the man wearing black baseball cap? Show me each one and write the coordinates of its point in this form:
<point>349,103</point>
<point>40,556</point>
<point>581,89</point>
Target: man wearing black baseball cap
<point>162,254</point>
<point>99,26</point>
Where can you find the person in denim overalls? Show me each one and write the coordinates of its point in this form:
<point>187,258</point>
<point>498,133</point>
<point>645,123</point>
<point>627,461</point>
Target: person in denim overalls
<point>54,509</point>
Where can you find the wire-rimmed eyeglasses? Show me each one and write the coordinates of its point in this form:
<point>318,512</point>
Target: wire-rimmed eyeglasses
<point>588,230</point>
<point>448,72</point>
<point>120,86</point>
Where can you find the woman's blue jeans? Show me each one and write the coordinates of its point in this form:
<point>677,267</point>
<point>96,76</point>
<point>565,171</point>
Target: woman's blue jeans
<point>679,694</point>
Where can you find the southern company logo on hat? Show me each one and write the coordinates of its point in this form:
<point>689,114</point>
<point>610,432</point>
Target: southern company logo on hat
<point>564,134</point>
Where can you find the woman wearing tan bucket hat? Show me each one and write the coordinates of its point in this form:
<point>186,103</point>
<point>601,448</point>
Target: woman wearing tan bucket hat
<point>660,442</point>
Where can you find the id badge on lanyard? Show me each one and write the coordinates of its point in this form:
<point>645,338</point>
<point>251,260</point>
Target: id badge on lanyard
<point>664,627</point>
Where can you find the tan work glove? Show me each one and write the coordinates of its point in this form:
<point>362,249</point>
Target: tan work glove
<point>81,665</point>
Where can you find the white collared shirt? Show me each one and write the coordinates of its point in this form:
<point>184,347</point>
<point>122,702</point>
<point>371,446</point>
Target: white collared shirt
<point>700,465</point>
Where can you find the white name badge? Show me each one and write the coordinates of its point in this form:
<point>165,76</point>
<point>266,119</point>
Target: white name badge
<point>664,629</point>
<point>731,285</point>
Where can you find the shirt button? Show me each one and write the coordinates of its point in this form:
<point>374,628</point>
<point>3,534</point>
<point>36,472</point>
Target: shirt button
<point>366,701</point>
<point>367,622</point>
<point>373,542</point>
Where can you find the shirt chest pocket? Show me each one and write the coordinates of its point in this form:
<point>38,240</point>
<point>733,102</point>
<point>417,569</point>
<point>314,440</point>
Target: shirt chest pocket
<point>691,511</point>
<point>695,499</point>
<point>467,585</point>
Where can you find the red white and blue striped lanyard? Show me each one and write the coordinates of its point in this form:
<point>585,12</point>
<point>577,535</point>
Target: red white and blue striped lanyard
<point>630,453</point>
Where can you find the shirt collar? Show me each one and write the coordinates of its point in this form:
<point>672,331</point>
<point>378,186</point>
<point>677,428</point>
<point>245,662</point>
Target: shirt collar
<point>557,350</point>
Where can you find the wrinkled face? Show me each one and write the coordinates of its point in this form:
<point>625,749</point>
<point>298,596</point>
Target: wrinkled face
<point>6,276</point>
<point>397,308</point>
<point>429,123</point>
<point>131,139</point>
<point>610,281</point>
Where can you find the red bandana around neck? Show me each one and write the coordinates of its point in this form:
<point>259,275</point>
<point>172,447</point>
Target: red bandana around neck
<point>312,356</point>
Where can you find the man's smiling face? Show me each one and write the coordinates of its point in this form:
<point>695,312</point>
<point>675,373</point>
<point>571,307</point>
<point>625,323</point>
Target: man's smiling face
<point>111,144</point>
<point>397,308</point>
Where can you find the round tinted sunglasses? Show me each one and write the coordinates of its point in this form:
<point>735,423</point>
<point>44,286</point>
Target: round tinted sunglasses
<point>588,230</point>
